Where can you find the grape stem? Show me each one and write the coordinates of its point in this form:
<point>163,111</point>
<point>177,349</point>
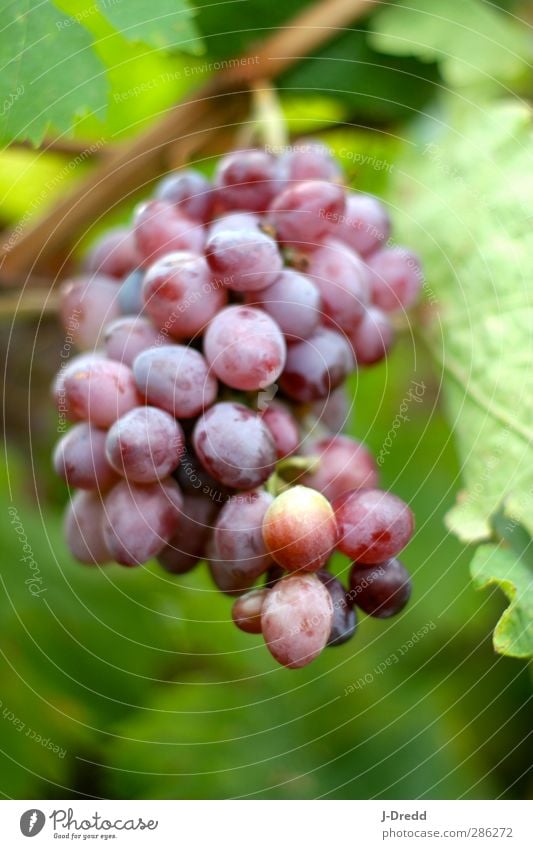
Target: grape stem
<point>268,116</point>
<point>288,471</point>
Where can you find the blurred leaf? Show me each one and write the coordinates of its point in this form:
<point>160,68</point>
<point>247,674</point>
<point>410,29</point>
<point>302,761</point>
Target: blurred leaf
<point>168,24</point>
<point>309,114</point>
<point>499,566</point>
<point>472,40</point>
<point>51,73</point>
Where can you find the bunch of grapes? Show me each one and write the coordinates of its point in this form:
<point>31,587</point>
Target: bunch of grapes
<point>216,333</point>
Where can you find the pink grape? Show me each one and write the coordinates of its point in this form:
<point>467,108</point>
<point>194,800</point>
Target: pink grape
<point>189,191</point>
<point>130,297</point>
<point>343,463</point>
<point>234,221</point>
<point>159,229</point>
<point>373,525</point>
<point>176,379</point>
<point>294,302</point>
<point>235,446</point>
<point>316,366</point>
<point>58,383</point>
<point>180,296</point>
<point>309,160</point>
<point>87,305</point>
<point>126,337</point>
<point>300,530</point>
<point>343,282</point>
<point>246,611</point>
<point>243,260</point>
<point>114,254</point>
<point>145,445</point>
<point>365,224</point>
<point>99,391</point>
<point>296,619</point>
<point>140,520</point>
<point>247,180</point>
<point>382,590</point>
<point>239,536</point>
<point>80,459</point>
<point>305,212</point>
<point>283,427</point>
<point>245,348</point>
<point>396,278</point>
<point>188,545</point>
<point>228,578</point>
<point>83,528</point>
<point>332,412</point>
<point>372,337</point>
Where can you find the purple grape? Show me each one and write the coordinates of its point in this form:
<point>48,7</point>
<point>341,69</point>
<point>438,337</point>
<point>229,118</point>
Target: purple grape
<point>83,529</point>
<point>87,305</point>
<point>293,301</point>
<point>332,412</point>
<point>343,282</point>
<point>145,445</point>
<point>125,338</point>
<point>396,278</point>
<point>283,427</point>
<point>372,338</point>
<point>80,459</point>
<point>381,590</point>
<point>235,446</point>
<point>247,180</point>
<point>309,160</point>
<point>99,391</point>
<point>316,366</point>
<point>344,623</point>
<point>176,379</point>
<point>140,520</point>
<point>365,224</point>
<point>243,260</point>
<point>239,537</point>
<point>160,229</point>
<point>245,348</point>
<point>246,611</point>
<point>373,525</point>
<point>194,480</point>
<point>180,296</point>
<point>305,212</point>
<point>188,545</point>
<point>234,221</point>
<point>343,463</point>
<point>114,254</point>
<point>189,191</point>
<point>130,297</point>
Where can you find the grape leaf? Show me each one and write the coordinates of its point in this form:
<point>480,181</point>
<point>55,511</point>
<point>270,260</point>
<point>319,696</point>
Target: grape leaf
<point>496,565</point>
<point>472,41</point>
<point>50,71</point>
<point>168,24</point>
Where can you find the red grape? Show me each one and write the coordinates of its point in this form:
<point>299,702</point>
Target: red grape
<point>300,530</point>
<point>343,463</point>
<point>145,445</point>
<point>381,590</point>
<point>373,525</point>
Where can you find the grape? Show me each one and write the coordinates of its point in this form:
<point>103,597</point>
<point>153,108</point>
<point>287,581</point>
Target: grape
<point>180,296</point>
<point>343,463</point>
<point>84,529</point>
<point>79,458</point>
<point>344,622</point>
<point>87,305</point>
<point>283,427</point>
<point>99,391</point>
<point>176,379</point>
<point>305,212</point>
<point>293,301</point>
<point>243,260</point>
<point>299,529</point>
<point>130,298</point>
<point>343,282</point>
<point>188,545</point>
<point>125,338</point>
<point>365,224</point>
<point>245,348</point>
<point>247,179</point>
<point>381,590</point>
<point>114,254</point>
<point>58,383</point>
<point>189,191</point>
<point>332,412</point>
<point>140,520</point>
<point>160,229</point>
<point>316,366</point>
<point>373,525</point>
<point>239,537</point>
<point>234,221</point>
<point>193,478</point>
<point>372,337</point>
<point>309,160</point>
<point>296,620</point>
<point>246,611</point>
<point>145,445</point>
<point>234,446</point>
<point>396,278</point>
<point>227,577</point>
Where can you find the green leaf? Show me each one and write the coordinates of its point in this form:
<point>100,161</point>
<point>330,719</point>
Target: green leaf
<point>51,74</point>
<point>167,24</point>
<point>497,565</point>
<point>472,41</point>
